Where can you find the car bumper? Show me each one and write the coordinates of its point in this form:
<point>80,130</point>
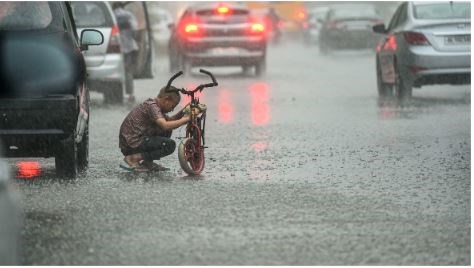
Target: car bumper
<point>225,51</point>
<point>425,66</point>
<point>111,69</point>
<point>33,127</point>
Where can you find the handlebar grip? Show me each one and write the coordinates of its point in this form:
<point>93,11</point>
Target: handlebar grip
<point>210,74</point>
<point>173,78</point>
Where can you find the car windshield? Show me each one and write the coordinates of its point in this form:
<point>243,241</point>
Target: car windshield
<point>91,14</point>
<point>25,15</point>
<point>356,12</point>
<point>438,11</point>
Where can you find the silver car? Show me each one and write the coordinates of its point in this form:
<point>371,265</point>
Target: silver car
<point>105,63</point>
<point>426,43</point>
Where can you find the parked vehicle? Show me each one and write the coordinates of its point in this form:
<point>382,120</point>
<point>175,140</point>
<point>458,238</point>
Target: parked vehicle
<point>425,43</point>
<point>314,24</point>
<point>44,99</point>
<point>349,26</point>
<point>218,35</point>
<point>161,24</point>
<point>105,63</point>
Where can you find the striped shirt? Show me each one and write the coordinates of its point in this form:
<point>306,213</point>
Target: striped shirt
<point>140,123</point>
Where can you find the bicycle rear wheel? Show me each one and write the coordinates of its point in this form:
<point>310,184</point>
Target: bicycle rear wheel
<point>191,156</point>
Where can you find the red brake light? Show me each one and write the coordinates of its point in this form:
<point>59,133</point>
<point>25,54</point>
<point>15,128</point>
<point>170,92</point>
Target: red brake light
<point>28,169</point>
<point>114,42</point>
<point>257,28</point>
<point>191,28</point>
<point>222,10</point>
<point>391,43</point>
<point>417,39</point>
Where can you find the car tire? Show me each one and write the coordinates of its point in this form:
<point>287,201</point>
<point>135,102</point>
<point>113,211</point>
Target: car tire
<point>66,158</point>
<point>402,90</point>
<point>384,89</point>
<point>260,68</point>
<point>114,94</point>
<point>83,151</point>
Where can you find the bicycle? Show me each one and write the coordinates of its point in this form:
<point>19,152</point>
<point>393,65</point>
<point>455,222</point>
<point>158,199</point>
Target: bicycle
<point>191,149</point>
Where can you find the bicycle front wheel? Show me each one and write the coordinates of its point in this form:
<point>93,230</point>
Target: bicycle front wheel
<point>191,156</point>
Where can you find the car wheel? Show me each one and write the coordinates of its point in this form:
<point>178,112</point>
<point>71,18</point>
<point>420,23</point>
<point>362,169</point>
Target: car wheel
<point>401,89</point>
<point>383,89</point>
<point>83,151</point>
<point>260,68</point>
<point>66,158</point>
<point>114,93</point>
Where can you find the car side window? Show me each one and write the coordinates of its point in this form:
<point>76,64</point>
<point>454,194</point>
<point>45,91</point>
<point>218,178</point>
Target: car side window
<point>394,22</point>
<point>403,15</point>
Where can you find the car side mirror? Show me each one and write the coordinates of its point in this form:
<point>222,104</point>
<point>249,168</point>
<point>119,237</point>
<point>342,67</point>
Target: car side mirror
<point>379,28</point>
<point>90,37</point>
<point>171,26</point>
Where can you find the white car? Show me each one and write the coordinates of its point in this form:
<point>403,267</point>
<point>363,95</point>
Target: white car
<point>105,63</point>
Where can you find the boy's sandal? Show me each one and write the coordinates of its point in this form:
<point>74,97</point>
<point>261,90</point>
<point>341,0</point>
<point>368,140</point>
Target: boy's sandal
<point>127,166</point>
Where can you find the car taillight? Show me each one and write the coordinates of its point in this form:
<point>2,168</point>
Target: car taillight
<point>222,10</point>
<point>391,43</point>
<point>417,39</point>
<point>257,28</point>
<point>28,169</point>
<point>114,42</point>
<point>191,29</point>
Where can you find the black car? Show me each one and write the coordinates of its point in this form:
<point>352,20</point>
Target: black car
<point>349,26</point>
<point>218,35</point>
<point>44,100</point>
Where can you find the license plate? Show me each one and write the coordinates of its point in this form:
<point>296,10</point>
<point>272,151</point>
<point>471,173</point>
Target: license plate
<point>457,39</point>
<point>225,51</point>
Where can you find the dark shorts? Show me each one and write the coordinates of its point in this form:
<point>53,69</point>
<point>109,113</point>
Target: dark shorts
<point>153,148</point>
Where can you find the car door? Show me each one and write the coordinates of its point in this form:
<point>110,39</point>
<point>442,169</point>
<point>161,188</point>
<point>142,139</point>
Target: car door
<point>144,59</point>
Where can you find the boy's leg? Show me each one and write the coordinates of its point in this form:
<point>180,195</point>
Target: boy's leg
<point>156,147</point>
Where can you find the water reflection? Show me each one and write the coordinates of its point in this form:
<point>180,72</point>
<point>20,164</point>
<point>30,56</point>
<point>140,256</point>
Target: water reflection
<point>28,169</point>
<point>394,108</point>
<point>260,108</point>
<point>226,108</point>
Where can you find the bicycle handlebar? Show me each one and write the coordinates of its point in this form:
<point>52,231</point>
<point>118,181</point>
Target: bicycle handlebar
<point>198,88</point>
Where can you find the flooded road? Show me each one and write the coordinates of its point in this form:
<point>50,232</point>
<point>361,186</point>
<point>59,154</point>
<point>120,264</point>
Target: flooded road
<point>305,166</point>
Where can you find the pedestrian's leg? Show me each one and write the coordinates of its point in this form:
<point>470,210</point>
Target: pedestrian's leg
<point>156,147</point>
<point>129,88</point>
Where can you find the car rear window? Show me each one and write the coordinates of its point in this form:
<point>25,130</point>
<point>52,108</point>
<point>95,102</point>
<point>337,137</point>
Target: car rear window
<point>212,17</point>
<point>91,14</point>
<point>25,15</point>
<point>442,11</point>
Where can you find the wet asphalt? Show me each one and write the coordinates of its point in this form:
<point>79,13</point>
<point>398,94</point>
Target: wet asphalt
<point>305,166</point>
